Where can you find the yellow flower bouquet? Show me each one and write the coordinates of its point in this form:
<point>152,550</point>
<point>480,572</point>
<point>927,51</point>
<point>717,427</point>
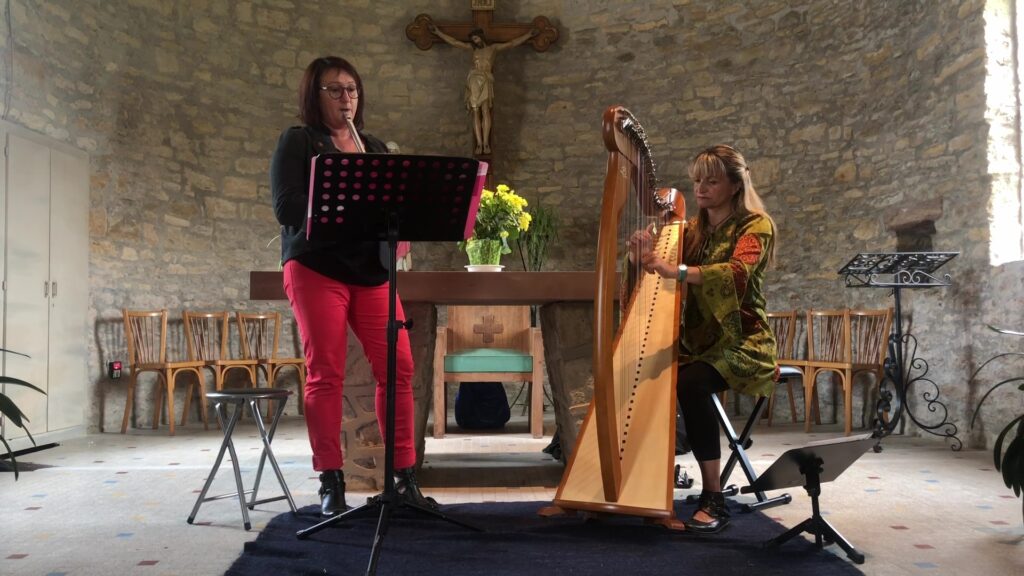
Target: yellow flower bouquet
<point>500,218</point>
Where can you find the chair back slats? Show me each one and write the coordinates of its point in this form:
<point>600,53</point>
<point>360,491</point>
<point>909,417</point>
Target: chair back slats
<point>258,335</point>
<point>828,335</point>
<point>206,335</point>
<point>146,335</point>
<point>869,331</point>
<point>783,326</point>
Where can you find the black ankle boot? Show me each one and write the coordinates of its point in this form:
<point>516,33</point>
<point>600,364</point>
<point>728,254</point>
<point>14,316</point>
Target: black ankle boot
<point>713,504</point>
<point>409,490</point>
<point>332,493</point>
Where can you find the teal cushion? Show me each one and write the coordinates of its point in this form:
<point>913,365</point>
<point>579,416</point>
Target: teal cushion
<point>488,360</point>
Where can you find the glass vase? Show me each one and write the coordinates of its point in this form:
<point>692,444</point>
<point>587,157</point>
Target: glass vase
<point>483,251</point>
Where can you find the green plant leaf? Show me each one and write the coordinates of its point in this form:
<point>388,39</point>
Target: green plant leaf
<point>11,411</point>
<point>997,450</point>
<point>9,380</point>
<point>990,390</point>
<point>13,352</point>
<point>10,454</point>
<point>1011,465</point>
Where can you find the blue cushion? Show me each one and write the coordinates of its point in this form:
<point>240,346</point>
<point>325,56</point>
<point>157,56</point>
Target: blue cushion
<point>488,360</point>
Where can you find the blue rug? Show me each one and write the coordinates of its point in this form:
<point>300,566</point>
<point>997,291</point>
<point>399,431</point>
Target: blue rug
<point>518,542</point>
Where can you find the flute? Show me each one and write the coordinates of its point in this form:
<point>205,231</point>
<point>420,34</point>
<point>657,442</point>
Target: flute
<point>355,136</point>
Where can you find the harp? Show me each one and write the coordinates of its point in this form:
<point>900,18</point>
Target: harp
<point>625,451</point>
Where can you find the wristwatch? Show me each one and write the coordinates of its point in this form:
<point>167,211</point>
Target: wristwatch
<point>682,272</point>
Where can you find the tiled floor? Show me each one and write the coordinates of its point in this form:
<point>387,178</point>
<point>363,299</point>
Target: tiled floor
<point>112,504</point>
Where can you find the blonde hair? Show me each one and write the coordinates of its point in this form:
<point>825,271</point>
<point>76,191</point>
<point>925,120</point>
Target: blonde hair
<point>725,161</point>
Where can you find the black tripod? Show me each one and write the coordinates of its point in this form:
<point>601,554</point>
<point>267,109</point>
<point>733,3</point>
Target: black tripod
<point>418,197</point>
<point>810,466</point>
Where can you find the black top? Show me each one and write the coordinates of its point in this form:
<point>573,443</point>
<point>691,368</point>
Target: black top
<point>359,263</point>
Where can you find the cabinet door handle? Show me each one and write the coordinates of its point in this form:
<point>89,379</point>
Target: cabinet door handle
<point>53,291</point>
<point>46,288</point>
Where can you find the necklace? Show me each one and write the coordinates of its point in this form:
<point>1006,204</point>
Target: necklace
<point>715,227</point>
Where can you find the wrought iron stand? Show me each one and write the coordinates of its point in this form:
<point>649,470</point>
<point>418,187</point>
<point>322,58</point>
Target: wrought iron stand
<point>903,368</point>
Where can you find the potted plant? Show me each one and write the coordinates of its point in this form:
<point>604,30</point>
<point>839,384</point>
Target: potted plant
<point>501,217</point>
<point>535,241</point>
<point>14,414</point>
<point>1009,462</point>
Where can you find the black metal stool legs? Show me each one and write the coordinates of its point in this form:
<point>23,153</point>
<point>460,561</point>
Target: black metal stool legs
<point>738,444</point>
<point>228,422</point>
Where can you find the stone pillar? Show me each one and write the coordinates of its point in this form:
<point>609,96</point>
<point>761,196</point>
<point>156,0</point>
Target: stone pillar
<point>360,435</point>
<point>568,330</point>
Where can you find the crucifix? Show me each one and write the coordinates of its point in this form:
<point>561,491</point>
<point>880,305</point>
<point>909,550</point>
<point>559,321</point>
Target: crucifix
<point>484,39</point>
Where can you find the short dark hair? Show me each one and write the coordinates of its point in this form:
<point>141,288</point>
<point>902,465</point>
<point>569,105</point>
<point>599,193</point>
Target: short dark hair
<point>309,90</point>
<point>479,32</point>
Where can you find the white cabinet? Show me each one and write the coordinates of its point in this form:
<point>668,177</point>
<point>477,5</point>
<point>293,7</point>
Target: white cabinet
<point>46,281</point>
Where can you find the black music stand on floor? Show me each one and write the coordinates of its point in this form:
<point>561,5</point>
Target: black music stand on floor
<point>391,197</point>
<point>810,466</point>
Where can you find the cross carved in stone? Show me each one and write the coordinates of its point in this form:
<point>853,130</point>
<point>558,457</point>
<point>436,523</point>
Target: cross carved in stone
<point>484,38</point>
<point>488,327</point>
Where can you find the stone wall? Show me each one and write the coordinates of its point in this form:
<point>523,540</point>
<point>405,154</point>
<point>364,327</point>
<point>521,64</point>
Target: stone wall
<point>849,112</point>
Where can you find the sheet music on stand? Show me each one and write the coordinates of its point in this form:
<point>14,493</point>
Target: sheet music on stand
<point>903,368</point>
<point>350,196</point>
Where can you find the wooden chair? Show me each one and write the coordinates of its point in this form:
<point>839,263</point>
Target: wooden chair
<point>783,325</point>
<point>207,335</point>
<point>835,346</point>
<point>489,344</point>
<point>869,346</point>
<point>146,333</point>
<point>260,334</point>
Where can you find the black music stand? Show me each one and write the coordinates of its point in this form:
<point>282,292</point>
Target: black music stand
<point>904,369</point>
<point>391,197</point>
<point>810,466</point>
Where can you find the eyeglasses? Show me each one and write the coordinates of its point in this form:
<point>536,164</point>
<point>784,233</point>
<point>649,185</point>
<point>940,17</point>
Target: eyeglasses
<point>335,90</point>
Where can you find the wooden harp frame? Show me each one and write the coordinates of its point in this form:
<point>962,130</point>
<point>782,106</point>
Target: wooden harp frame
<point>624,457</point>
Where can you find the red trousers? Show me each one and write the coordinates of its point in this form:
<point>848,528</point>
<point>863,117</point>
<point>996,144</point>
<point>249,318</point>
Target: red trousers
<point>324,309</point>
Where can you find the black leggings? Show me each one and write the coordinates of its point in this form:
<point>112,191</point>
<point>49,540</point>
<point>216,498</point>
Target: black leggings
<point>697,382</point>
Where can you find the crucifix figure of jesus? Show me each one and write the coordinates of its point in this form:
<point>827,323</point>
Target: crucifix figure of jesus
<point>480,81</point>
<point>484,40</point>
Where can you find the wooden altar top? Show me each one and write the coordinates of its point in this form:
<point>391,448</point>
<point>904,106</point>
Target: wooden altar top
<point>464,287</point>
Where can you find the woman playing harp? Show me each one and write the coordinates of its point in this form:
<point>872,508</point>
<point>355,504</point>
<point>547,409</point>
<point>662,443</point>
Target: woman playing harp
<point>726,342</point>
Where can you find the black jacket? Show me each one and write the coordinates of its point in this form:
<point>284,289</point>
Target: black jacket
<point>357,263</point>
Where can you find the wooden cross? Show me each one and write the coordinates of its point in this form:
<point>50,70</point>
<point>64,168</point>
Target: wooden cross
<point>483,16</point>
<point>488,328</point>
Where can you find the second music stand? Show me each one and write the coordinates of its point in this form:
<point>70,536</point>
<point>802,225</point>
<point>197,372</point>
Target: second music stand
<point>391,197</point>
<point>810,466</point>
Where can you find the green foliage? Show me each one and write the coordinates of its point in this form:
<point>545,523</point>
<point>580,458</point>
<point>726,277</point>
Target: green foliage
<point>14,414</point>
<point>1009,462</point>
<point>534,242</point>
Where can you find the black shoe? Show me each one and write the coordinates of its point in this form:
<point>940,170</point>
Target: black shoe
<point>409,490</point>
<point>332,493</point>
<point>712,504</point>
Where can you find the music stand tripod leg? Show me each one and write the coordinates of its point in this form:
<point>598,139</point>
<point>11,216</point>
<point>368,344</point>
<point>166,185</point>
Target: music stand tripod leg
<point>817,525</point>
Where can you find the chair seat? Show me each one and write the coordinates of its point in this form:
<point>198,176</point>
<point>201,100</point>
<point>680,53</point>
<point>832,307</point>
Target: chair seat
<point>245,394</point>
<point>488,360</point>
<point>789,372</point>
<point>173,365</point>
<point>239,362</point>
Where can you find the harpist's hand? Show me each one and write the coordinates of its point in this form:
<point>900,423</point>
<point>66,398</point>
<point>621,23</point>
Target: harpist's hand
<point>655,264</point>
<point>639,243</point>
